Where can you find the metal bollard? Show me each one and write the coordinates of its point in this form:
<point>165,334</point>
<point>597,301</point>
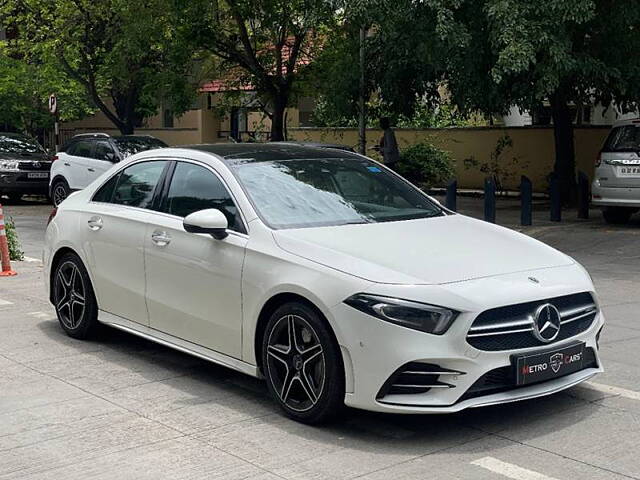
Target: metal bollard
<point>583,196</point>
<point>526,201</point>
<point>556,199</point>
<point>452,192</point>
<point>490,200</point>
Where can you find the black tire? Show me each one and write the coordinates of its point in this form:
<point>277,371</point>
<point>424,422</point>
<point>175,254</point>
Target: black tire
<point>14,197</point>
<point>59,191</point>
<point>73,297</point>
<point>306,376</point>
<point>617,215</point>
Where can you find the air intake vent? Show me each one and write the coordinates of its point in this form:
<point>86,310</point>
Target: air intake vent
<point>416,377</point>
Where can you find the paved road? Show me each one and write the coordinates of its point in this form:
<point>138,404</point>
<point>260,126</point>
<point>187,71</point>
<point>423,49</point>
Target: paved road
<point>125,408</point>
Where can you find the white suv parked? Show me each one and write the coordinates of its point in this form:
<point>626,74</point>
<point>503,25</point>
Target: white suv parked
<point>87,156</point>
<point>616,184</point>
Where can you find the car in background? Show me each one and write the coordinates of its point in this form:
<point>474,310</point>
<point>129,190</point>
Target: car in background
<point>616,184</point>
<point>89,155</point>
<point>24,166</point>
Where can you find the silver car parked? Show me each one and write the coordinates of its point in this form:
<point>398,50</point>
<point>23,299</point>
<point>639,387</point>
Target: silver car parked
<point>616,184</point>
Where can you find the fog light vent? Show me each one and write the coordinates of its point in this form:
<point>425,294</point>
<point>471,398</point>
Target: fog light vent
<point>416,377</point>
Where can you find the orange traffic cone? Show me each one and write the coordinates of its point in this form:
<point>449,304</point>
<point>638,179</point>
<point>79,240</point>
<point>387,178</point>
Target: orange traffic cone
<point>4,249</point>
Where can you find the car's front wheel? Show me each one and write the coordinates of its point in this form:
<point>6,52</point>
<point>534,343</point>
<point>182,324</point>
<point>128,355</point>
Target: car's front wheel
<point>59,191</point>
<point>302,364</point>
<point>73,297</point>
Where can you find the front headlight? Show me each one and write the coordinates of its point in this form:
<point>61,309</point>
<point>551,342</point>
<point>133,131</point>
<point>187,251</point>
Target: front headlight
<point>418,316</point>
<point>9,165</point>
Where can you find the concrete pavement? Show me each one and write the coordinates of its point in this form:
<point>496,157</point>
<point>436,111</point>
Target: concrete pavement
<point>121,407</point>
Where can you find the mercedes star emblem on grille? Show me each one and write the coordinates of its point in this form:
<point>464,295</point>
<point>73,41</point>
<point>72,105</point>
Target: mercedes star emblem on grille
<point>546,323</point>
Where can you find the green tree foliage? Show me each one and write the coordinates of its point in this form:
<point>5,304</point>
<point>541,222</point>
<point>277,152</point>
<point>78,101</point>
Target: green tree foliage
<point>499,53</point>
<point>425,165</point>
<point>25,86</point>
<point>400,73</point>
<point>265,44</point>
<point>120,51</point>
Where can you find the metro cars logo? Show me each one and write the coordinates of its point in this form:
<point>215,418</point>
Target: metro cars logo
<point>556,361</point>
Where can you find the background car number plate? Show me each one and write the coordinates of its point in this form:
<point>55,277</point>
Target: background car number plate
<point>38,175</point>
<point>632,171</point>
<point>551,364</point>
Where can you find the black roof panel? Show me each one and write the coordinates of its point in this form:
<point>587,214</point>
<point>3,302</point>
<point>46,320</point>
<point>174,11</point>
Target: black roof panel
<point>264,152</point>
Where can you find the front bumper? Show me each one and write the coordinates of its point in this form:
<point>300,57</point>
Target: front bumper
<point>614,196</point>
<point>19,182</point>
<point>373,349</point>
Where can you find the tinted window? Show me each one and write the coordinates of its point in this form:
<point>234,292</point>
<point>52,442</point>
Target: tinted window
<point>137,183</point>
<point>196,188</point>
<point>102,151</point>
<point>19,144</point>
<point>338,191</point>
<point>130,145</point>
<point>105,192</point>
<point>624,139</point>
<point>82,148</point>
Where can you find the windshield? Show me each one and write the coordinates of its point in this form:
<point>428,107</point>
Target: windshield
<point>130,145</point>
<point>17,144</point>
<point>624,139</point>
<point>322,192</point>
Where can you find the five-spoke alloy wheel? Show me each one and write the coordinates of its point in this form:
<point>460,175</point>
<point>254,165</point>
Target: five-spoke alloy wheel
<point>302,365</point>
<point>73,297</point>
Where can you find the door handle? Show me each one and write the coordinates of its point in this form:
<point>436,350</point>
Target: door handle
<point>66,164</point>
<point>160,238</point>
<point>91,169</point>
<point>95,223</point>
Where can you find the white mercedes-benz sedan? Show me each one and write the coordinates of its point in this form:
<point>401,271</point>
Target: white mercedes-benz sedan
<point>326,274</point>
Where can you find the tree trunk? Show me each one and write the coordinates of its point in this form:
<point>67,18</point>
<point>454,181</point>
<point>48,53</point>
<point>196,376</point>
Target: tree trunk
<point>277,118</point>
<point>565,163</point>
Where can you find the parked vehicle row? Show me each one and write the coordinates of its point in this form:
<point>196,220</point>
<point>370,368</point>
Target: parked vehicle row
<point>324,273</point>
<point>616,184</point>
<point>24,166</point>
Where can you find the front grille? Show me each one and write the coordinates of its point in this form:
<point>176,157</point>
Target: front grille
<point>38,166</point>
<point>416,377</point>
<point>504,378</point>
<point>511,327</point>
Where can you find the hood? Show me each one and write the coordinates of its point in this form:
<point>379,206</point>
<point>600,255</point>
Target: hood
<point>429,251</point>
<point>41,157</point>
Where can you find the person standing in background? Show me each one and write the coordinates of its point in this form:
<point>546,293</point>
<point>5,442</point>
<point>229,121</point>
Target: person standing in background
<point>388,145</point>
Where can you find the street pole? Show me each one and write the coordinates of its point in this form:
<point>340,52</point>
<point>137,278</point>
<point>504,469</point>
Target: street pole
<point>362,120</point>
<point>56,127</point>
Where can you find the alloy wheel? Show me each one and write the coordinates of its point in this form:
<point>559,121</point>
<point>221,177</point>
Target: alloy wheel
<point>296,363</point>
<point>59,194</point>
<point>69,295</point>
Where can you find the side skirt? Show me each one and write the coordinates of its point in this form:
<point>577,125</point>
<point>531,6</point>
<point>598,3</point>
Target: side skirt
<point>177,343</point>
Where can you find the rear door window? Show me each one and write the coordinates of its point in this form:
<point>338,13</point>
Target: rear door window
<point>82,148</point>
<point>137,184</point>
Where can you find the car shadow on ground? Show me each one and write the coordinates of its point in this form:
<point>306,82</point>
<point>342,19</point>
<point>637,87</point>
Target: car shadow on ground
<point>202,383</point>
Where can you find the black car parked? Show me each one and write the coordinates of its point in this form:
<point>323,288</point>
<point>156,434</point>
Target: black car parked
<point>24,166</point>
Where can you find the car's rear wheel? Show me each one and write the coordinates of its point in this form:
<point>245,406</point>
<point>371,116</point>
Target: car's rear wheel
<point>617,215</point>
<point>59,191</point>
<point>302,364</point>
<point>73,297</point>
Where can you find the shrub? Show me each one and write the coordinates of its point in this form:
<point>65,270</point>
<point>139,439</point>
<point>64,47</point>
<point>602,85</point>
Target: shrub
<point>15,253</point>
<point>425,165</point>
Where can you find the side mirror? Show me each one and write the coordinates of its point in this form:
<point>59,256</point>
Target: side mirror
<point>111,157</point>
<point>211,221</point>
